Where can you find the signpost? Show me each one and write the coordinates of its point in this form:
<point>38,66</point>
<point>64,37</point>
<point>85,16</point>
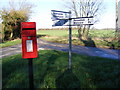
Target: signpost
<point>61,18</point>
<point>70,43</point>
<point>29,47</point>
<point>58,15</point>
<point>82,21</point>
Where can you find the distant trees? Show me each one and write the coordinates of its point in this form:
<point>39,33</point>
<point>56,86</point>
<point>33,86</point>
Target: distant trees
<point>85,8</point>
<point>12,17</point>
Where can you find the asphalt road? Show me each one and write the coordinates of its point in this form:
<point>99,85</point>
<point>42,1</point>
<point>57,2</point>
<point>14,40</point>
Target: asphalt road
<point>43,45</point>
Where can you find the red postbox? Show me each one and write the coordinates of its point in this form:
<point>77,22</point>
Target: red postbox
<point>29,40</point>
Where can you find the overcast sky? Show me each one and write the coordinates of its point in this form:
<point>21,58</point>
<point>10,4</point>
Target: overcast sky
<point>42,12</point>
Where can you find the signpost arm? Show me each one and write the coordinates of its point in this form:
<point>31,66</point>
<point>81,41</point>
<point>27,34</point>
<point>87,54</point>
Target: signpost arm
<point>70,42</point>
<point>31,84</point>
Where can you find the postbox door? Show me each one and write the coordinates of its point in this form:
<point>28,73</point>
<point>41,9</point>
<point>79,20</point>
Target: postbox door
<point>29,47</point>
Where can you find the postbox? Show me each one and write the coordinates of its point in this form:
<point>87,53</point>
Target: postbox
<point>29,40</point>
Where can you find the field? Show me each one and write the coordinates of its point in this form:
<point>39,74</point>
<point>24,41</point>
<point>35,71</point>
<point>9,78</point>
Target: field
<point>101,38</point>
<point>64,33</point>
<point>50,71</point>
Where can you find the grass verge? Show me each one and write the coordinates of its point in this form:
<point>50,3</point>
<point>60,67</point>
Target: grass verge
<point>99,38</point>
<point>10,43</point>
<point>92,33</point>
<point>50,71</point>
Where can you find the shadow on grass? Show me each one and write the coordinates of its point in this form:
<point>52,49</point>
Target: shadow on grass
<point>14,72</point>
<point>0,40</point>
<point>113,44</point>
<point>89,42</point>
<point>67,80</point>
<point>39,36</point>
<point>50,71</point>
<point>44,68</point>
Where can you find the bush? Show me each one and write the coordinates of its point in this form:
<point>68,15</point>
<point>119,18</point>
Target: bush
<point>12,18</point>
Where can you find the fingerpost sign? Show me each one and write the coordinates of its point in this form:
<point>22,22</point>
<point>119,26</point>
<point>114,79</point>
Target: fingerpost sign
<point>61,18</point>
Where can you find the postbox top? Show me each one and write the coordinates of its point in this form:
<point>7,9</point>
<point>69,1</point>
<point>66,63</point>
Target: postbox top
<point>28,25</point>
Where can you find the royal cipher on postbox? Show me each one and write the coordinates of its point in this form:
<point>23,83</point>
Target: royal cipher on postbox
<point>29,40</point>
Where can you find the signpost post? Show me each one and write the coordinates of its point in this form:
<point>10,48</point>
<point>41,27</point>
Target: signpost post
<point>61,18</point>
<point>70,42</point>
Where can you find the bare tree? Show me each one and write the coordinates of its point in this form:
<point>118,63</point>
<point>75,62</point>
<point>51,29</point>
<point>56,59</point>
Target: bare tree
<point>85,8</point>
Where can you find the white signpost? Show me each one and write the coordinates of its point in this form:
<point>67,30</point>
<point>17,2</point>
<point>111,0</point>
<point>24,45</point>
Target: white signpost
<point>58,15</point>
<point>82,20</point>
<point>61,18</point>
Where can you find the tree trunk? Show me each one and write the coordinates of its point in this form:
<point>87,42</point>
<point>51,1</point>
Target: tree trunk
<point>79,33</point>
<point>87,32</point>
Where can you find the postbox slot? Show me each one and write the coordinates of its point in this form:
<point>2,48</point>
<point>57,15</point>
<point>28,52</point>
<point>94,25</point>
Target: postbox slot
<point>28,29</point>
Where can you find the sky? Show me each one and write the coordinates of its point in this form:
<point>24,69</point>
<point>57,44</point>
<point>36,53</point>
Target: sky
<point>42,12</point>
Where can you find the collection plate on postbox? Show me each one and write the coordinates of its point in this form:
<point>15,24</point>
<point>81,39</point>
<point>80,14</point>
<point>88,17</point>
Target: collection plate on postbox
<point>29,40</point>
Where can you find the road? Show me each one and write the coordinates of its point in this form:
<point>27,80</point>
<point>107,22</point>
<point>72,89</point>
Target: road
<point>44,45</point>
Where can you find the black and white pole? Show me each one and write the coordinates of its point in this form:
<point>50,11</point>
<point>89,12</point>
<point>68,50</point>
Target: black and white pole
<point>31,82</point>
<point>70,42</point>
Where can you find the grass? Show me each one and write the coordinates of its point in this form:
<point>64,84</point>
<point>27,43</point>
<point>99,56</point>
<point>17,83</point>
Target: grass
<point>10,43</point>
<point>50,71</point>
<point>64,33</point>
<point>101,38</point>
<point>102,33</point>
<point>59,33</point>
<point>61,36</point>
